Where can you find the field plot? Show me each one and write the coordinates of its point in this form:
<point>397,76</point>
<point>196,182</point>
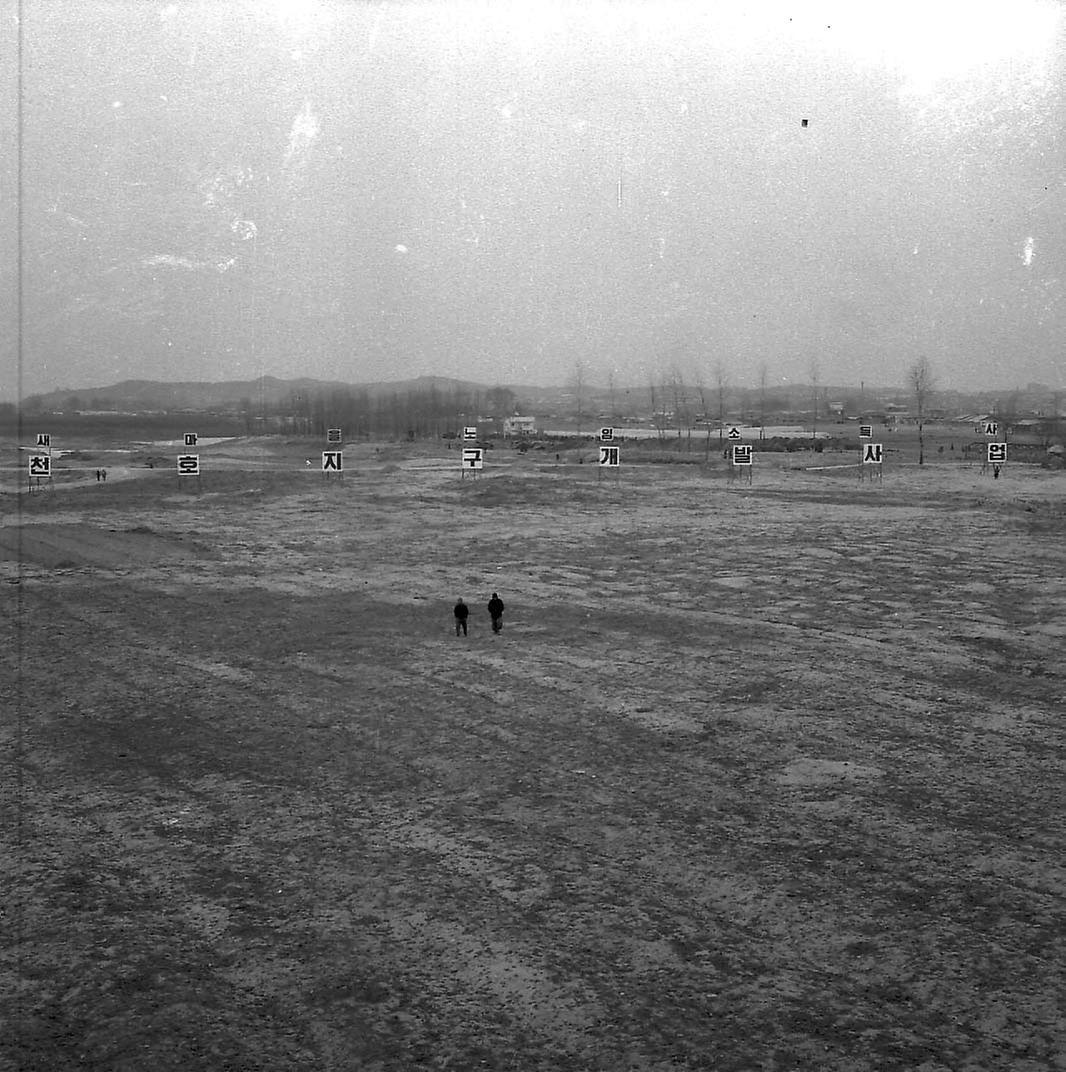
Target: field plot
<point>754,778</point>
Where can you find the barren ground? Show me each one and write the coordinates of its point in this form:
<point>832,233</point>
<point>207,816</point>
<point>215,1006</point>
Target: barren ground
<point>755,778</point>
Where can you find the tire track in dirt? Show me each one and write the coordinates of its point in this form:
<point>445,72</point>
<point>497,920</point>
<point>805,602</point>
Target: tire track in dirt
<point>458,854</point>
<point>501,969</point>
<point>448,847</point>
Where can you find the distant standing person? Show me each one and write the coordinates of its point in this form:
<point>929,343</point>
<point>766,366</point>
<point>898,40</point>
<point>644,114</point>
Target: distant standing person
<point>462,612</point>
<point>496,612</point>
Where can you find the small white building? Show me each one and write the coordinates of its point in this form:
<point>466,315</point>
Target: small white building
<point>519,426</point>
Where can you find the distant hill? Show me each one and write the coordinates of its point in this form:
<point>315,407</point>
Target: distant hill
<point>141,396</point>
<point>270,395</point>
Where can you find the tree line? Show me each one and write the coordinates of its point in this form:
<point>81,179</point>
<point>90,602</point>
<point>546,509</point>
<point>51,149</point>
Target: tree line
<point>415,413</point>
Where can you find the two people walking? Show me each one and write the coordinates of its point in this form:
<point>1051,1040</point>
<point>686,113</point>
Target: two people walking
<point>495,609</point>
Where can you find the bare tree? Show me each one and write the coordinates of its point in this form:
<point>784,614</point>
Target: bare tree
<point>701,393</point>
<point>816,374</point>
<point>674,388</point>
<point>921,379</point>
<point>1008,412</point>
<point>721,385</point>
<point>579,384</point>
<point>501,400</point>
<point>763,374</point>
<point>656,408</point>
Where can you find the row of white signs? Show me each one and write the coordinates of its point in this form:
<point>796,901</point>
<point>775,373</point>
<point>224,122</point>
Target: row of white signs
<point>333,435</point>
<point>610,457</point>
<point>40,465</point>
<point>874,453</point>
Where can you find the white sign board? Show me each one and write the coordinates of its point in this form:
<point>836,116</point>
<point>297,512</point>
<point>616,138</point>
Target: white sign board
<point>997,452</point>
<point>473,458</point>
<point>733,433</point>
<point>188,465</point>
<point>866,431</point>
<point>44,440</point>
<point>741,454</point>
<point>190,439</point>
<point>606,435</point>
<point>40,465</point>
<point>873,454</point>
<point>470,433</point>
<point>609,456</point>
<point>332,461</point>
<point>992,428</point>
<point>333,435</point>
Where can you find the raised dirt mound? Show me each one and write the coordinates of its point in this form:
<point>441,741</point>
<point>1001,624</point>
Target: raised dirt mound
<point>74,545</point>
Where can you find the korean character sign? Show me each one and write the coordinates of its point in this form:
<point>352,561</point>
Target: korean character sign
<point>609,457</point>
<point>333,435</point>
<point>188,465</point>
<point>470,434</point>
<point>40,466</point>
<point>740,454</point>
<point>473,458</point>
<point>872,454</point>
<point>190,439</point>
<point>866,431</point>
<point>332,461</point>
<point>44,439</point>
<point>606,435</point>
<point>997,453</point>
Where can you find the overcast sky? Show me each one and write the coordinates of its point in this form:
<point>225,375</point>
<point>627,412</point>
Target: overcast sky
<point>216,189</point>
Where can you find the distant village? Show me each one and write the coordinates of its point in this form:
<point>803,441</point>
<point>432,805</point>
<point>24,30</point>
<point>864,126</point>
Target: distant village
<point>438,407</point>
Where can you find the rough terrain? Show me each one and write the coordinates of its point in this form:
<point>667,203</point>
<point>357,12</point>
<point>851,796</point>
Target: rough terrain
<point>761,777</point>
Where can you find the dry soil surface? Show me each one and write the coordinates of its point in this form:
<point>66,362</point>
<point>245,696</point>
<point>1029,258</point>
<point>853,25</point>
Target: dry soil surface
<point>754,778</point>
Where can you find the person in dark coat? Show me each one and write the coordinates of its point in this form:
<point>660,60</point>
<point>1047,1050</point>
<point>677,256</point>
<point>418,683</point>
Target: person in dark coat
<point>462,612</point>
<point>496,612</point>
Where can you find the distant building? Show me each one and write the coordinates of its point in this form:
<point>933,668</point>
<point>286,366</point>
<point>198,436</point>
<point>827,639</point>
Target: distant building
<point>895,415</point>
<point>519,426</point>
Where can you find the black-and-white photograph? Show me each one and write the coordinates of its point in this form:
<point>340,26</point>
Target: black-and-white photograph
<point>532,535</point>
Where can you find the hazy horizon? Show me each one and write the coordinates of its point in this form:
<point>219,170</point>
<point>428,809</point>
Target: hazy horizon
<point>495,192</point>
<point>591,386</point>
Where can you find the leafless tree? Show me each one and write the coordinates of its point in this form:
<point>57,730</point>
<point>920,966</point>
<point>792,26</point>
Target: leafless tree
<point>922,381</point>
<point>501,400</point>
<point>674,389</point>
<point>763,374</point>
<point>721,385</point>
<point>1007,412</point>
<point>579,385</point>
<point>701,393</point>
<point>816,375</point>
<point>657,405</point>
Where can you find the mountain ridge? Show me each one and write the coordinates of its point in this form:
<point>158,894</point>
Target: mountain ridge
<point>229,394</point>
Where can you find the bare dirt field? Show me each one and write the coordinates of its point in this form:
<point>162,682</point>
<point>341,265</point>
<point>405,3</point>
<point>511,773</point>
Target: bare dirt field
<point>763,778</point>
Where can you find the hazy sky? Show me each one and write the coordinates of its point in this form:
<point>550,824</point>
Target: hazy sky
<point>493,191</point>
